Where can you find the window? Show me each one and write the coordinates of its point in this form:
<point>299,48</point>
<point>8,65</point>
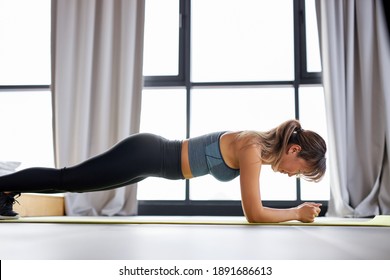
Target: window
<point>312,116</point>
<point>208,114</point>
<point>168,121</point>
<point>258,59</point>
<point>25,99</point>
<point>161,38</point>
<point>25,42</point>
<point>232,41</point>
<point>312,44</point>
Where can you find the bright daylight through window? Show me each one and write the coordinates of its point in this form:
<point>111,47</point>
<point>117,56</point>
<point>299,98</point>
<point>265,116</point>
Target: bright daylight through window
<point>239,71</point>
<point>25,99</point>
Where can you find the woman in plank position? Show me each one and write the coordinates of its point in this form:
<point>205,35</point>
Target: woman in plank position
<point>225,155</point>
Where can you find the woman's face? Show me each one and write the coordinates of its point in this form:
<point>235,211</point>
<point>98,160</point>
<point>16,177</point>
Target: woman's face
<point>291,164</point>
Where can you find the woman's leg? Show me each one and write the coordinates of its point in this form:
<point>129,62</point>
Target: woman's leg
<point>130,161</point>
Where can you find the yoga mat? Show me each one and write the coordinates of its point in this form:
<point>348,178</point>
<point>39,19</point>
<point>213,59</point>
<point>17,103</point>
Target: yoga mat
<point>377,221</point>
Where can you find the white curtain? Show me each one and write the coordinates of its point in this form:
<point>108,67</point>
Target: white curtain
<point>97,48</point>
<point>356,65</point>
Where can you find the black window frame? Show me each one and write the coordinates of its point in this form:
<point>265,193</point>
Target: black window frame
<point>182,80</point>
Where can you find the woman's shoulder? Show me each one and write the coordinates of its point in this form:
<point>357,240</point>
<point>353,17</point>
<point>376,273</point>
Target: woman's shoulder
<point>241,141</point>
<point>243,137</point>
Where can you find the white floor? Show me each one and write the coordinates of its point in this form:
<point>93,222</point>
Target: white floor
<point>46,241</point>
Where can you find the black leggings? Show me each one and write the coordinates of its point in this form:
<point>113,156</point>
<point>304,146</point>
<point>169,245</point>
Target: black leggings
<point>130,161</point>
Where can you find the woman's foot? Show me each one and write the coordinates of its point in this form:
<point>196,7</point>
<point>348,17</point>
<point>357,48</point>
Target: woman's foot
<point>7,200</point>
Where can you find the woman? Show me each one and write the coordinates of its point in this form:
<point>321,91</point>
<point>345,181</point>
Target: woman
<point>287,148</point>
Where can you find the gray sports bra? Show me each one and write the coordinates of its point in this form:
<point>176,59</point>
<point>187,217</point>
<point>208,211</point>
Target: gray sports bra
<point>205,157</point>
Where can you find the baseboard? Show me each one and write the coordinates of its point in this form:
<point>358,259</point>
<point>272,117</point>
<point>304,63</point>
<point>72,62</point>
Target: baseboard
<point>33,205</point>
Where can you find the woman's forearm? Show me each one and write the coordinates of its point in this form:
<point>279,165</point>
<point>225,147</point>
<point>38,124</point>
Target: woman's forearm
<point>272,215</point>
<point>306,212</point>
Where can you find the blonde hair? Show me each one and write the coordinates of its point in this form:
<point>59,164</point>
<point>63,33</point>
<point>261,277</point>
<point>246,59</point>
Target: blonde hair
<point>273,144</point>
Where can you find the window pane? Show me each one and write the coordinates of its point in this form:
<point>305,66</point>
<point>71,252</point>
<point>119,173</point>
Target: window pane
<point>163,113</point>
<point>242,40</point>
<point>312,116</point>
<point>161,38</point>
<point>25,42</point>
<point>312,41</point>
<point>26,128</point>
<point>241,109</point>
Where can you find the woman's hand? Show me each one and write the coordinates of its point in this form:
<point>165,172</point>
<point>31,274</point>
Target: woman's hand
<point>308,211</point>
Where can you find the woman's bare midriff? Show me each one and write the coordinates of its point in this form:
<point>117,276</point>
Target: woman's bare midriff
<point>185,162</point>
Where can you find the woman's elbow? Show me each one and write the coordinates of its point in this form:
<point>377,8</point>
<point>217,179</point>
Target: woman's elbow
<point>253,218</point>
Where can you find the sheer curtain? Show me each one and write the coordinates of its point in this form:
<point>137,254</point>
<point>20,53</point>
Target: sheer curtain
<point>97,50</point>
<point>356,64</point>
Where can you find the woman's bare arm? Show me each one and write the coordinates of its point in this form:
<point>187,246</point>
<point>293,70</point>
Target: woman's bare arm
<point>250,168</point>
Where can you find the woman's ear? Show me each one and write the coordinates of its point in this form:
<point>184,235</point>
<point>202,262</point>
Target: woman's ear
<point>294,148</point>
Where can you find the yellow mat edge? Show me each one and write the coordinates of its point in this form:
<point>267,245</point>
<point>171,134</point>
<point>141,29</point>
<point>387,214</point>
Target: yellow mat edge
<point>377,221</point>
